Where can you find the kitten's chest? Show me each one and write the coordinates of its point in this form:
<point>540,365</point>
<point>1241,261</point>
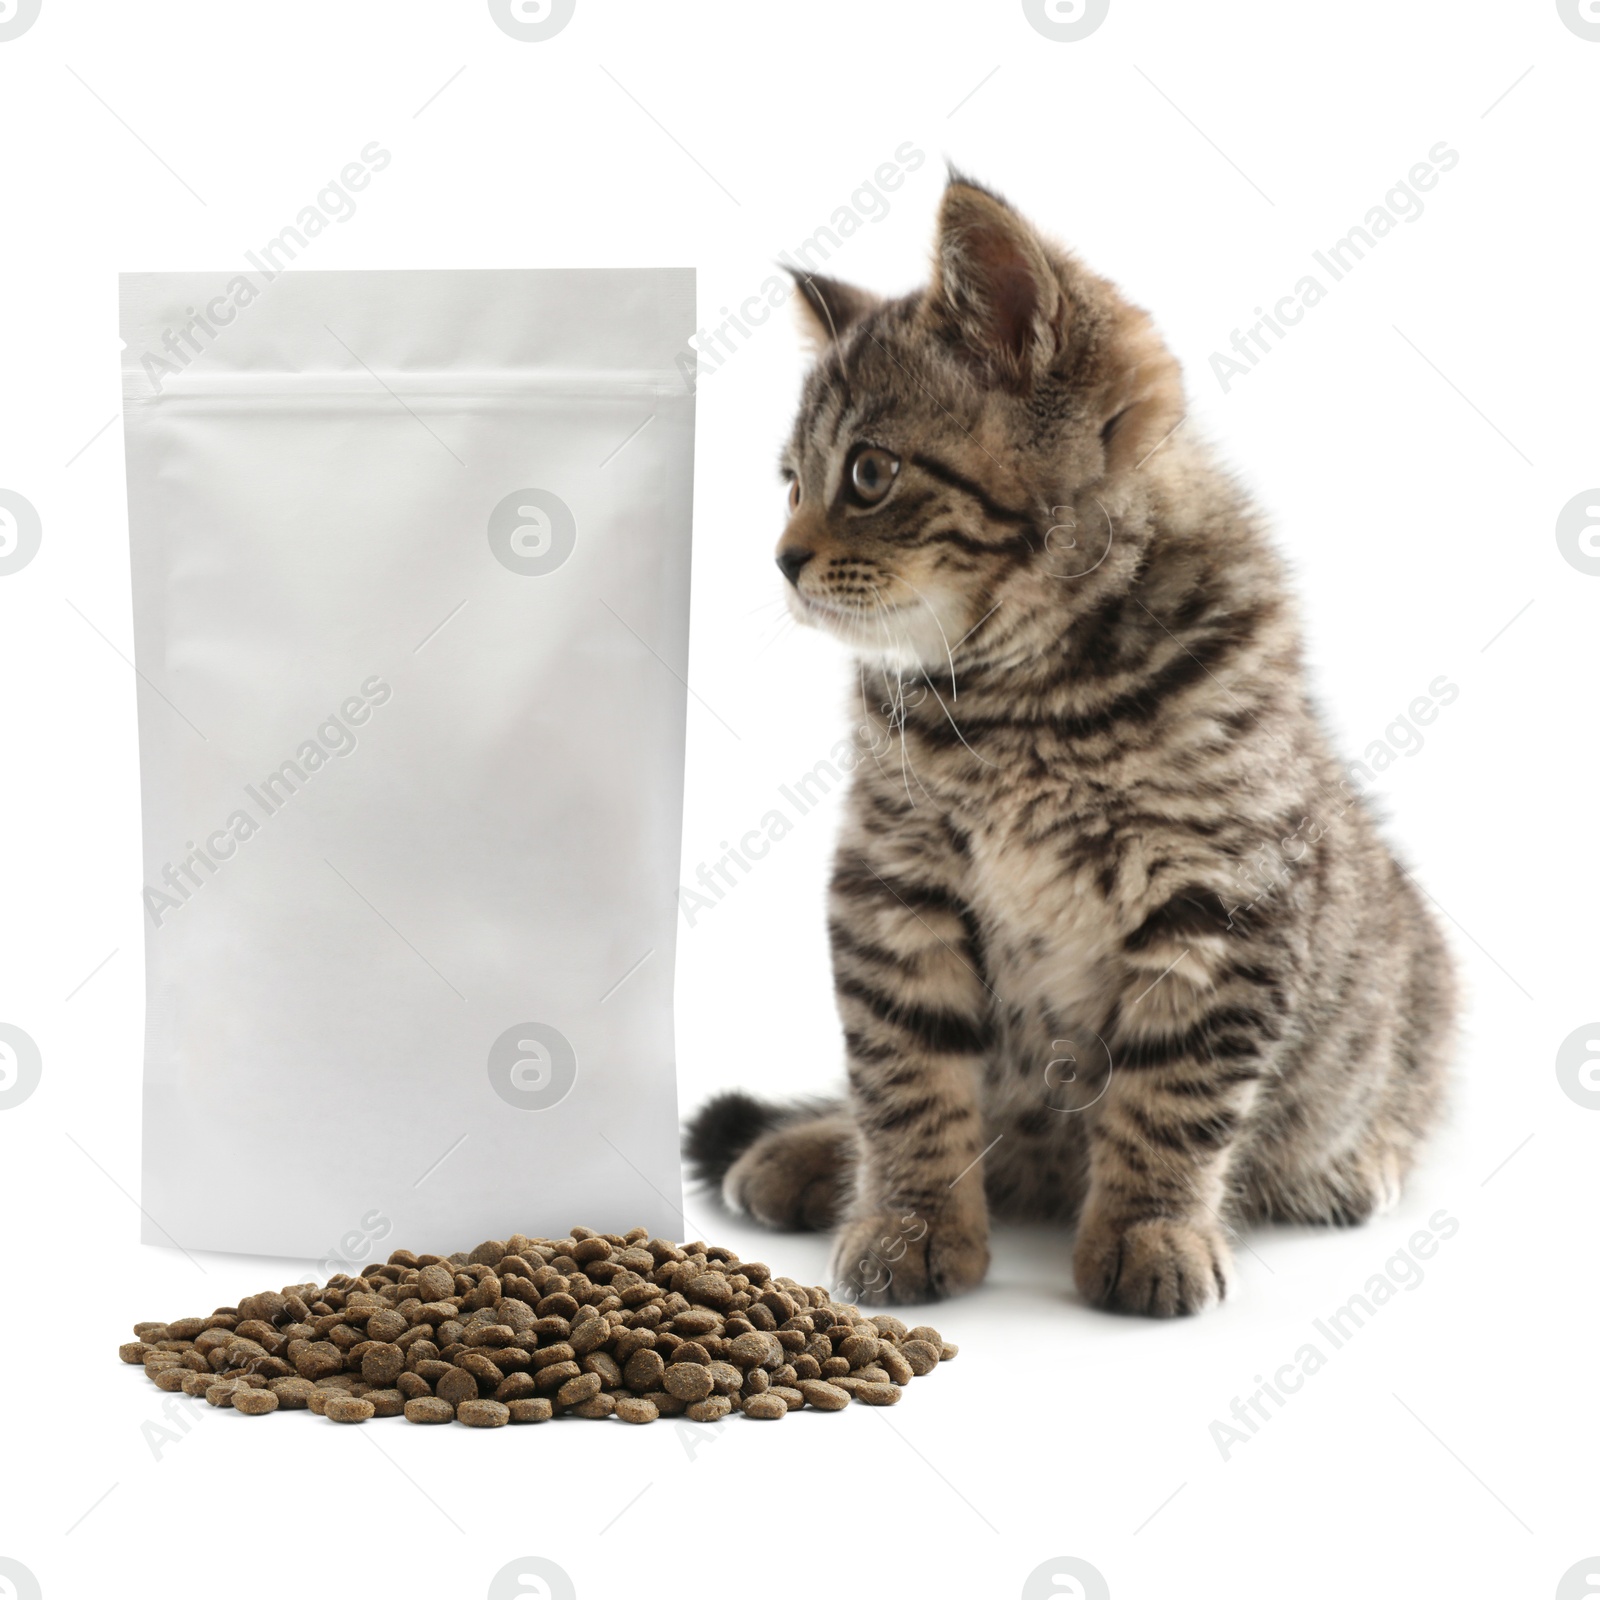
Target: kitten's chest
<point>1049,928</point>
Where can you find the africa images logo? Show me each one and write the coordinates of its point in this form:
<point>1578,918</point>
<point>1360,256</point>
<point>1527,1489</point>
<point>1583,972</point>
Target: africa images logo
<point>16,17</point>
<point>532,21</point>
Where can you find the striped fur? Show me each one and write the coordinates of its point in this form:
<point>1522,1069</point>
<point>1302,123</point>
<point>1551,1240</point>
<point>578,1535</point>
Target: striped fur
<point>1112,942</point>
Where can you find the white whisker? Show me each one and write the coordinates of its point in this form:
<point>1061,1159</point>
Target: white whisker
<point>898,710</point>
<point>948,652</point>
<point>952,721</point>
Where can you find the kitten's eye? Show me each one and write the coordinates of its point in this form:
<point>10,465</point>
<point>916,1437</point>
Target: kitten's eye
<point>872,474</point>
<point>794,493</point>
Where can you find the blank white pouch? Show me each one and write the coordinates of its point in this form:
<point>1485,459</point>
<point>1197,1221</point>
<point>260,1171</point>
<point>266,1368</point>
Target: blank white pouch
<point>411,597</point>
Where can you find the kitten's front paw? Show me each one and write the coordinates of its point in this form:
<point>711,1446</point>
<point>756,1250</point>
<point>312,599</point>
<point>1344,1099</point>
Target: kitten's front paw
<point>903,1258</point>
<point>1160,1267</point>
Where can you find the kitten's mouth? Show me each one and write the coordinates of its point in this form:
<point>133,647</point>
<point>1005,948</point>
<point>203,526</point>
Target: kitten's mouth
<point>854,624</point>
<point>877,632</point>
<point>833,608</point>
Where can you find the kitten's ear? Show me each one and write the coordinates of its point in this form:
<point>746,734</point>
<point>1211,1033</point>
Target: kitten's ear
<point>828,307</point>
<point>994,288</point>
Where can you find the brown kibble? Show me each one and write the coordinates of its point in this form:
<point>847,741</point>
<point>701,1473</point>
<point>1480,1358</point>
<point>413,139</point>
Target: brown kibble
<point>579,1389</point>
<point>263,1334</point>
<point>291,1392</point>
<point>425,1408</point>
<point>630,1341</point>
<point>386,1324</point>
<point>859,1349</point>
<point>457,1386</point>
<point>689,1381</point>
<point>599,1361</point>
<point>781,1305</point>
<point>727,1378</point>
<point>877,1394</point>
<point>635,1408</point>
<point>549,1379</point>
<point>436,1283</point>
<point>895,1365</point>
<point>530,1410</point>
<point>699,1319</point>
<point>824,1396</point>
<point>382,1364</point>
<point>588,1335</point>
<point>480,1366</point>
<point>590,1325</point>
<point>712,1290</point>
<point>319,1361</point>
<point>519,1386</point>
<point>348,1408</point>
<point>948,1351</point>
<point>755,1349</point>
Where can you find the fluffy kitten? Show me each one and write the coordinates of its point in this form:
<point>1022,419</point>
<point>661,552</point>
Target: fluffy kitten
<point>1111,939</point>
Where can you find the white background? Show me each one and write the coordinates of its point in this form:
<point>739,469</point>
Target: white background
<point>1414,441</point>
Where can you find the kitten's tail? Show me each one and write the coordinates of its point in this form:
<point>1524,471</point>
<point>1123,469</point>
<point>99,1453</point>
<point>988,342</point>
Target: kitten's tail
<point>722,1130</point>
<point>801,1171</point>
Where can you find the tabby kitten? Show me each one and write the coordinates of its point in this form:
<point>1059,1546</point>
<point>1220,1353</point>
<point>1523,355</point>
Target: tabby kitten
<point>1112,940</point>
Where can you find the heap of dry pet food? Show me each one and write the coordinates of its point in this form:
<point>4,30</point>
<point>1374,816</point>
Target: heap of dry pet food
<point>593,1325</point>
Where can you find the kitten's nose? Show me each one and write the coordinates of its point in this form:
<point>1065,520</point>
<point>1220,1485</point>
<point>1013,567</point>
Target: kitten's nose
<point>790,562</point>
